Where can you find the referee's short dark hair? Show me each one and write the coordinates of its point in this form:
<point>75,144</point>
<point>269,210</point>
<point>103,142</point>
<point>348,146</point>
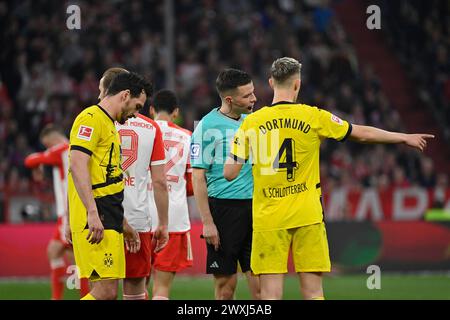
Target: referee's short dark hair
<point>230,79</point>
<point>165,100</point>
<point>130,81</point>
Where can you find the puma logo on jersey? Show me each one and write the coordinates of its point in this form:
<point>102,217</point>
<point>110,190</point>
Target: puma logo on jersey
<point>85,133</point>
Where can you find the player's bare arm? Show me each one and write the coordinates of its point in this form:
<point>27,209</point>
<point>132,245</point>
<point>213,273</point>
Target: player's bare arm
<point>82,181</point>
<point>67,230</point>
<point>66,219</point>
<point>231,169</point>
<point>162,205</point>
<point>367,134</point>
<point>210,232</point>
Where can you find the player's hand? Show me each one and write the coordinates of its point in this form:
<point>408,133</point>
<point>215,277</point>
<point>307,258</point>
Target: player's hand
<point>160,238</point>
<point>96,229</point>
<point>67,232</point>
<point>211,235</point>
<point>131,237</point>
<point>38,173</point>
<point>418,141</point>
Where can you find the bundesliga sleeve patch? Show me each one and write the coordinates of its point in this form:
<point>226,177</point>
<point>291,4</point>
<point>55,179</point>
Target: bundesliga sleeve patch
<point>85,133</point>
<point>337,119</point>
<point>195,150</point>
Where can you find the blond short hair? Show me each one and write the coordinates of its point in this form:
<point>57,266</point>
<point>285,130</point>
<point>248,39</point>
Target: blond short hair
<point>110,74</point>
<point>284,68</point>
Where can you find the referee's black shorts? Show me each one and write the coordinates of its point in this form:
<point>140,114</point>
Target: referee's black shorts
<point>233,219</point>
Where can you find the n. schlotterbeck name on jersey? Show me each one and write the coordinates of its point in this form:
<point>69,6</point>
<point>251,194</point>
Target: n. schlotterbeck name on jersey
<point>285,191</point>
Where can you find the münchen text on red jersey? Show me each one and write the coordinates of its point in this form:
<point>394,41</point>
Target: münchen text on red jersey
<point>142,146</point>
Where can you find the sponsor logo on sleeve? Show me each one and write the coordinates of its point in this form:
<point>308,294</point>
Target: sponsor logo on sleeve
<point>85,133</point>
<point>337,119</point>
<point>195,150</point>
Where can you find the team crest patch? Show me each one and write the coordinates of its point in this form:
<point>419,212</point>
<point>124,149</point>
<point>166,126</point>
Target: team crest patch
<point>108,260</point>
<point>195,150</point>
<point>85,133</point>
<point>337,119</point>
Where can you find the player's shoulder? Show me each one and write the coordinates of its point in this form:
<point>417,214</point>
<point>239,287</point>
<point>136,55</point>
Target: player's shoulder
<point>91,111</point>
<point>209,120</point>
<point>88,121</point>
<point>322,112</point>
<point>93,115</point>
<point>323,115</point>
<point>147,120</point>
<point>59,148</point>
<point>211,117</point>
<point>304,109</point>
<point>177,127</point>
<point>309,108</point>
<point>261,113</point>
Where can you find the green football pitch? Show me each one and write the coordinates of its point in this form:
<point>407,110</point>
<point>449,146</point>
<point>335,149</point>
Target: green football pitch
<point>348,287</point>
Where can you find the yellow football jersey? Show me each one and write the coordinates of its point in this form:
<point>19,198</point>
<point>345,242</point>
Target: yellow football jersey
<point>94,133</point>
<point>283,144</point>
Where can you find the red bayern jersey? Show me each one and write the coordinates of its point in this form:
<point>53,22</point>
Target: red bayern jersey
<point>178,173</point>
<point>142,146</point>
<point>57,157</point>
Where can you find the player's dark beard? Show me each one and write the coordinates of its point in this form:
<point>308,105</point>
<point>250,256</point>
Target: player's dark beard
<point>122,119</point>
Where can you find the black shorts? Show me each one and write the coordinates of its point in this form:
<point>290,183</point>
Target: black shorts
<point>233,219</point>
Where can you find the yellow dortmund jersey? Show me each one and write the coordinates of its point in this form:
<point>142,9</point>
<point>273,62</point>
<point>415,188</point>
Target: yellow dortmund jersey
<point>283,143</point>
<point>94,133</point>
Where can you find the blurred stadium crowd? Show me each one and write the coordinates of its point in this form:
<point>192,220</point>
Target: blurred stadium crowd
<point>49,73</point>
<point>420,33</point>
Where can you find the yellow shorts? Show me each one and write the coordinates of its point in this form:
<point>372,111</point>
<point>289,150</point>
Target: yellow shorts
<point>270,250</point>
<point>102,261</point>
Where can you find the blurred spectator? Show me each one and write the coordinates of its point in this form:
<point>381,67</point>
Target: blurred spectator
<point>428,176</point>
<point>419,32</point>
<point>440,190</point>
<point>49,73</point>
